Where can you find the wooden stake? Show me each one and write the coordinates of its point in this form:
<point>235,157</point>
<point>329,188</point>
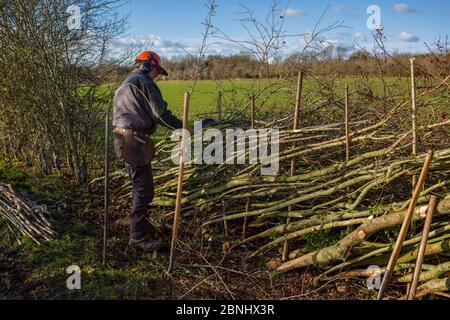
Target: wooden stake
<point>423,245</point>
<point>247,207</point>
<point>404,229</point>
<point>225,222</point>
<point>219,105</point>
<point>414,111</point>
<point>414,129</point>
<point>176,220</point>
<point>245,225</point>
<point>347,131</point>
<point>298,100</point>
<point>106,195</point>
<point>298,103</point>
<point>253,112</point>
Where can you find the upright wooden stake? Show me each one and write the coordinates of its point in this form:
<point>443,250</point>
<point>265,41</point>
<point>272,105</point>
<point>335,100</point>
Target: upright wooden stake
<point>414,129</point>
<point>347,130</point>
<point>298,103</point>
<point>244,227</point>
<point>106,195</point>
<point>298,100</point>
<point>414,112</point>
<point>219,105</point>
<point>404,229</point>
<point>225,222</point>
<point>253,112</point>
<point>247,206</point>
<point>423,245</point>
<point>176,219</point>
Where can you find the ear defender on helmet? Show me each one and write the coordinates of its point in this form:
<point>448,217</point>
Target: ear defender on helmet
<point>151,60</point>
<point>148,65</point>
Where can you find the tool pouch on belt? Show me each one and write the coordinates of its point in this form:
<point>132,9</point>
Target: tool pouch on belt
<point>133,149</point>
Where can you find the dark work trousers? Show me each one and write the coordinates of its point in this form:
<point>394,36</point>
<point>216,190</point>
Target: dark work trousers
<point>143,193</point>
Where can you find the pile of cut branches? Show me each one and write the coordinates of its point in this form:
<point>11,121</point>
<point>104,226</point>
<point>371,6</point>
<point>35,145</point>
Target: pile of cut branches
<point>23,216</point>
<point>358,205</point>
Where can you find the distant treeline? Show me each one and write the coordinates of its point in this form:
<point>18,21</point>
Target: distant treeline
<point>245,66</point>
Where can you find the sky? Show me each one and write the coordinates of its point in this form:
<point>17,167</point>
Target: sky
<point>174,27</point>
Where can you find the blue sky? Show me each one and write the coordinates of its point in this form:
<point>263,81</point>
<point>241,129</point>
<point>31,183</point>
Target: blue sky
<point>174,26</point>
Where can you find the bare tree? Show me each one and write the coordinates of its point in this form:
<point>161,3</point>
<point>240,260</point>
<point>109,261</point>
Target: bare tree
<point>265,40</point>
<point>53,98</point>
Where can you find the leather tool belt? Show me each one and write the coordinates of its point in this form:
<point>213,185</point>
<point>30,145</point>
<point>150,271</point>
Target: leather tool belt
<point>134,147</point>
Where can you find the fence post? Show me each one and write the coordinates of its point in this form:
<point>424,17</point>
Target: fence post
<point>247,206</point>
<point>414,116</point>
<point>106,195</point>
<point>298,103</point>
<point>414,131</point>
<point>423,244</point>
<point>219,104</point>
<point>298,100</point>
<point>347,129</point>
<point>253,112</point>
<point>405,225</point>
<point>176,219</point>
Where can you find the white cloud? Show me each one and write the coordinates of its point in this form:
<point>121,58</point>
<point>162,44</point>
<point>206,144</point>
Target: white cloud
<point>339,8</point>
<point>359,36</point>
<point>317,43</point>
<point>331,43</point>
<point>290,12</point>
<point>173,47</point>
<point>169,48</point>
<point>403,8</point>
<point>407,37</point>
<point>159,44</point>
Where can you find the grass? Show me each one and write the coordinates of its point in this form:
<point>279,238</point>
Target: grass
<point>78,242</point>
<point>204,97</point>
<point>41,269</point>
<point>47,264</point>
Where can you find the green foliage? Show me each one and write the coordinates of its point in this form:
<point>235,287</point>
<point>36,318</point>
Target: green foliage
<point>391,235</point>
<point>48,263</point>
<point>126,276</point>
<point>5,238</point>
<point>71,248</point>
<point>322,239</point>
<point>10,175</point>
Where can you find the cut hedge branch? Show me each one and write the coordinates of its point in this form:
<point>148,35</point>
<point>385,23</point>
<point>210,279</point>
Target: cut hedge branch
<point>341,250</point>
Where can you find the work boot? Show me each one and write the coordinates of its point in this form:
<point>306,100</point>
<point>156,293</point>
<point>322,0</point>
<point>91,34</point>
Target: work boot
<point>148,245</point>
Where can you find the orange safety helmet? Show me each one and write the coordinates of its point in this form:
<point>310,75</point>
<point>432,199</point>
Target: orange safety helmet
<point>152,60</point>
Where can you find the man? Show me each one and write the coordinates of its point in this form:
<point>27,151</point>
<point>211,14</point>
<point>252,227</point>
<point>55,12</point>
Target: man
<point>138,109</point>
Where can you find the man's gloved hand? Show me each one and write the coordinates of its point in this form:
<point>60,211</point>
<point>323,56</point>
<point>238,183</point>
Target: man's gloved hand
<point>209,122</point>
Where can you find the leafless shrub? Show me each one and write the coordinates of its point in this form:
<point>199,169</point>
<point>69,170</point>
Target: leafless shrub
<point>52,100</point>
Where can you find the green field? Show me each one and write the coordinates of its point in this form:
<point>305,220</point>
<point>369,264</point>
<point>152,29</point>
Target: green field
<point>238,92</point>
<point>204,97</point>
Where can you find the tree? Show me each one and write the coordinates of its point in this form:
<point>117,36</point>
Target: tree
<point>52,103</point>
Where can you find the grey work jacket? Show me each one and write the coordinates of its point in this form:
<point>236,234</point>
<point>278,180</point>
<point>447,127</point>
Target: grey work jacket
<point>138,104</point>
